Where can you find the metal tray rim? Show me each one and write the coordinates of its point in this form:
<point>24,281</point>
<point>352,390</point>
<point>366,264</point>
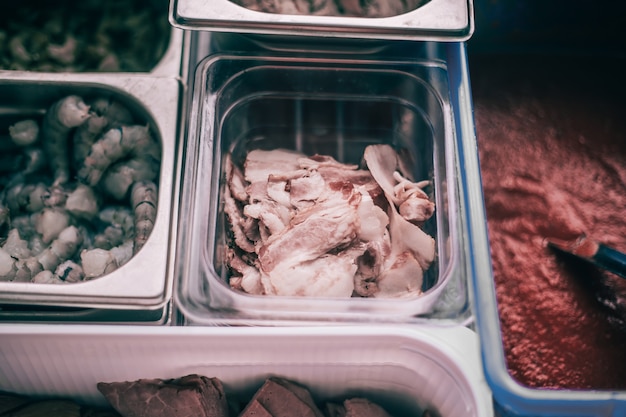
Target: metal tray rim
<point>439,20</point>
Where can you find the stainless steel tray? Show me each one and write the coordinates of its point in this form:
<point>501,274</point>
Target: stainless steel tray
<point>145,281</point>
<point>437,20</point>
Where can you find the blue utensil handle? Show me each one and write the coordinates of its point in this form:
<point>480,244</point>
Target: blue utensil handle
<point>611,260</point>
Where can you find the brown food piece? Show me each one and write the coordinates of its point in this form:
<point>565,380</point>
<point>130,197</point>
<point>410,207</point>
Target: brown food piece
<point>281,398</point>
<point>13,405</point>
<point>46,408</point>
<point>356,407</point>
<point>552,141</point>
<point>189,396</point>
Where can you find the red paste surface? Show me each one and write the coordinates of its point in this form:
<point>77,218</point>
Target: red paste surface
<point>552,145</point>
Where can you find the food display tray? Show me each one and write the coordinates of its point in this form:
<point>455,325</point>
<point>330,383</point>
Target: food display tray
<point>415,86</point>
<point>140,291</point>
<point>435,20</point>
<point>405,370</point>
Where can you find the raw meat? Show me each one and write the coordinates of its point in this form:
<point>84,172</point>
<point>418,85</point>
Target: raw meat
<point>192,396</point>
<point>312,226</point>
<point>189,396</point>
<point>356,8</point>
<point>356,407</point>
<point>281,398</point>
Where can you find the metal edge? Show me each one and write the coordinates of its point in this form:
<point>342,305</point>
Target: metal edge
<point>424,23</point>
<point>152,94</point>
<point>170,64</point>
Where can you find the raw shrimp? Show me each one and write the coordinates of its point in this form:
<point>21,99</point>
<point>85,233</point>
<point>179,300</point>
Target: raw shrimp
<point>51,221</point>
<point>26,224</point>
<point>56,196</point>
<point>118,179</point>
<point>83,202</point>
<point>62,248</point>
<point>60,119</point>
<point>69,271</point>
<point>143,198</point>
<point>98,262</point>
<point>114,161</point>
<point>120,226</point>
<point>24,132</point>
<point>86,135</point>
<point>16,246</point>
<point>46,277</point>
<point>105,114</point>
<point>35,160</point>
<point>26,197</point>
<point>114,145</point>
<point>113,111</point>
<point>24,270</point>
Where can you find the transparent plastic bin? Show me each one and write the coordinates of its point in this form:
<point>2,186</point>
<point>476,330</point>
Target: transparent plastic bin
<point>326,106</point>
<point>514,398</point>
<point>403,369</point>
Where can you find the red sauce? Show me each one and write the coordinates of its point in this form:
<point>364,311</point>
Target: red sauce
<point>552,145</point>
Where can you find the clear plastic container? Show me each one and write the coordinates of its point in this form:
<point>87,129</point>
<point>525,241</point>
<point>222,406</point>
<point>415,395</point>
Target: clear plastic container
<point>405,370</point>
<point>328,106</point>
<point>514,398</point>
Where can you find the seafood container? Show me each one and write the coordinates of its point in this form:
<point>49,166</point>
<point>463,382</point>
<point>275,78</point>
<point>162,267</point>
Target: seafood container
<point>327,106</point>
<point>405,370</point>
<point>91,37</point>
<point>140,288</point>
<point>434,20</point>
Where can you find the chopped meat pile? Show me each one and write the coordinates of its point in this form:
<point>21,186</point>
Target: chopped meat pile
<point>189,396</point>
<point>312,226</point>
<point>194,396</point>
<point>354,8</point>
<point>198,396</point>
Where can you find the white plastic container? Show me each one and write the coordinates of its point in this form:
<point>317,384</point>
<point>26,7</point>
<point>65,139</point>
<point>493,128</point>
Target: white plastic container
<point>403,369</point>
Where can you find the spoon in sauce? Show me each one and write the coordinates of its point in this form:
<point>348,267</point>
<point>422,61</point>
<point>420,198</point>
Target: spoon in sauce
<point>594,252</point>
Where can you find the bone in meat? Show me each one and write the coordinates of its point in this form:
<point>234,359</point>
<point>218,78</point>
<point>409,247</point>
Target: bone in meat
<point>322,228</point>
<point>260,164</point>
<point>236,220</point>
<point>326,276</point>
<point>313,232</point>
<point>235,180</point>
